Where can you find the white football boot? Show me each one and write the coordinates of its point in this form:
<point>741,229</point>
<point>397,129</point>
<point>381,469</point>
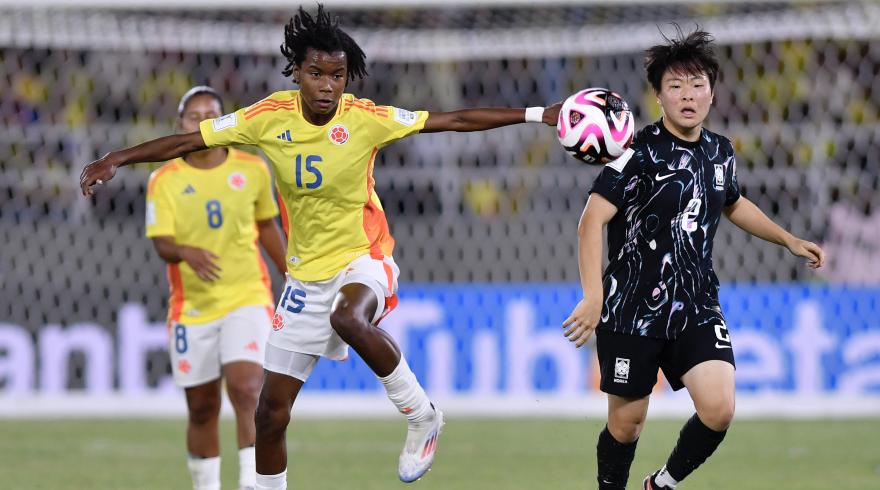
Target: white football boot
<point>418,450</point>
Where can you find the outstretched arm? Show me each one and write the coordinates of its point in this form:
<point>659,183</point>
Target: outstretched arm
<point>157,150</point>
<point>744,214</point>
<point>486,118</point>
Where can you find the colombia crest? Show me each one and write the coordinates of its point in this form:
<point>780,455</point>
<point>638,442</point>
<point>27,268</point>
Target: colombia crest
<point>338,134</point>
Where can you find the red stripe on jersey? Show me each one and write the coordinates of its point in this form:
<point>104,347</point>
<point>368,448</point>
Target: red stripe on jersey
<point>269,105</point>
<point>364,106</point>
<point>270,102</point>
<point>375,224</point>
<point>168,167</point>
<point>285,225</point>
<point>175,294</point>
<point>268,109</point>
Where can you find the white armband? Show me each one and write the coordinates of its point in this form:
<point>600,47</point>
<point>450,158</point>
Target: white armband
<point>534,114</point>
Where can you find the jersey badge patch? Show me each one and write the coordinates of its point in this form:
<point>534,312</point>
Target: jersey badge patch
<point>224,122</point>
<point>151,213</point>
<point>237,181</point>
<point>621,370</point>
<point>338,134</point>
<point>719,176</point>
<point>405,117</point>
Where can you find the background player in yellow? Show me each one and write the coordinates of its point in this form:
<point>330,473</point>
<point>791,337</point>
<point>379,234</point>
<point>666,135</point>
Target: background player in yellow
<point>342,277</point>
<point>205,213</point>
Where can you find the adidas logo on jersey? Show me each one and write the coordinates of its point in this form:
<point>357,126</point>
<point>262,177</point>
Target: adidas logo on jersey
<point>285,136</point>
<point>189,189</point>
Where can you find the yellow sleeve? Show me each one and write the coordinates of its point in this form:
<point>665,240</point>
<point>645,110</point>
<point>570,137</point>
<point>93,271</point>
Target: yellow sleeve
<point>231,129</point>
<point>396,123</point>
<point>266,206</point>
<point>160,208</point>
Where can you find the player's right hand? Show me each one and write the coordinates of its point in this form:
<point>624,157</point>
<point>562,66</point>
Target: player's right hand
<point>813,253</point>
<point>583,320</point>
<point>96,173</point>
<point>203,262</point>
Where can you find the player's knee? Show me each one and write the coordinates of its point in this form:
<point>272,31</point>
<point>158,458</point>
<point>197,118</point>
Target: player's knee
<point>349,325</point>
<point>717,415</point>
<point>625,430</point>
<point>204,412</point>
<point>271,418</point>
<point>244,394</point>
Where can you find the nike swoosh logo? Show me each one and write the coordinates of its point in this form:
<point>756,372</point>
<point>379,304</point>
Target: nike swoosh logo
<point>659,178</point>
<point>720,346</point>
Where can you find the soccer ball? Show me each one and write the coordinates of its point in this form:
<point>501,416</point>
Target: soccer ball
<point>595,126</point>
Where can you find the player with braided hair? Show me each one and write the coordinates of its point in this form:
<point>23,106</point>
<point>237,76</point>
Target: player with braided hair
<point>342,279</point>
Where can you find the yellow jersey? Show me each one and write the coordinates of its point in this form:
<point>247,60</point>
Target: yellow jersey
<point>324,174</point>
<point>216,210</point>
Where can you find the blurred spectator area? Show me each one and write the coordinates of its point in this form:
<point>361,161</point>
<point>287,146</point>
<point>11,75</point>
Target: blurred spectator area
<point>798,101</point>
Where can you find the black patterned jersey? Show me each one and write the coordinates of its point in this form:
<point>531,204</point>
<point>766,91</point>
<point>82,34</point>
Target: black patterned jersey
<point>669,196</point>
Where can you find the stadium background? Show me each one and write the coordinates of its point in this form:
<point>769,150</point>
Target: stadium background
<point>485,223</point>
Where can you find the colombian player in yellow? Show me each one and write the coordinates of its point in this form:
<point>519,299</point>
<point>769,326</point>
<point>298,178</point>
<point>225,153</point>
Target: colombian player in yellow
<point>322,144</point>
<point>205,214</point>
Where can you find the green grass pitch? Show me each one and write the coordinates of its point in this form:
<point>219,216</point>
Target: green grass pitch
<point>473,454</point>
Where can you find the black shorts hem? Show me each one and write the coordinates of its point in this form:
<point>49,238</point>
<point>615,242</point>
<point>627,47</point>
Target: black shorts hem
<point>628,364</point>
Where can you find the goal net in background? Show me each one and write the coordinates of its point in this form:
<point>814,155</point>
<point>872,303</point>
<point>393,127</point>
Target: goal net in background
<point>485,222</point>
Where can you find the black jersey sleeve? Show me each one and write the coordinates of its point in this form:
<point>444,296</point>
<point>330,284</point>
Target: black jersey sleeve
<point>611,182</point>
<point>732,192</point>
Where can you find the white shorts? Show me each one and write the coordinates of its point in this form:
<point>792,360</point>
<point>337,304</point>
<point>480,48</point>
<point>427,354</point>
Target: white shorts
<point>198,351</point>
<point>302,319</point>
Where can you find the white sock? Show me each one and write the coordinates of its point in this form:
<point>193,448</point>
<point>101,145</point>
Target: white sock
<point>272,482</point>
<point>664,479</point>
<point>247,467</point>
<point>407,394</point>
<point>205,472</point>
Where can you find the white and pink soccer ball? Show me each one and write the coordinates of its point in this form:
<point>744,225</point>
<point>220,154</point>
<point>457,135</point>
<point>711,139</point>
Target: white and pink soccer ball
<point>595,126</point>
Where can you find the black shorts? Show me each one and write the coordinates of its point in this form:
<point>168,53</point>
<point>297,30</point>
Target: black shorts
<point>628,363</point>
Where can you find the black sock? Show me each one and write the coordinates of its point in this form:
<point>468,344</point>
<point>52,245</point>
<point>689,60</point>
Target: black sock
<point>614,459</point>
<point>696,443</point>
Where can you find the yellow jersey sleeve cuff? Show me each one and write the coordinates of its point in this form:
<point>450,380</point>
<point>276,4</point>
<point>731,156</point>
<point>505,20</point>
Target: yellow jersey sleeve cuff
<point>262,217</point>
<point>207,129</point>
<point>420,122</point>
<point>159,232</point>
